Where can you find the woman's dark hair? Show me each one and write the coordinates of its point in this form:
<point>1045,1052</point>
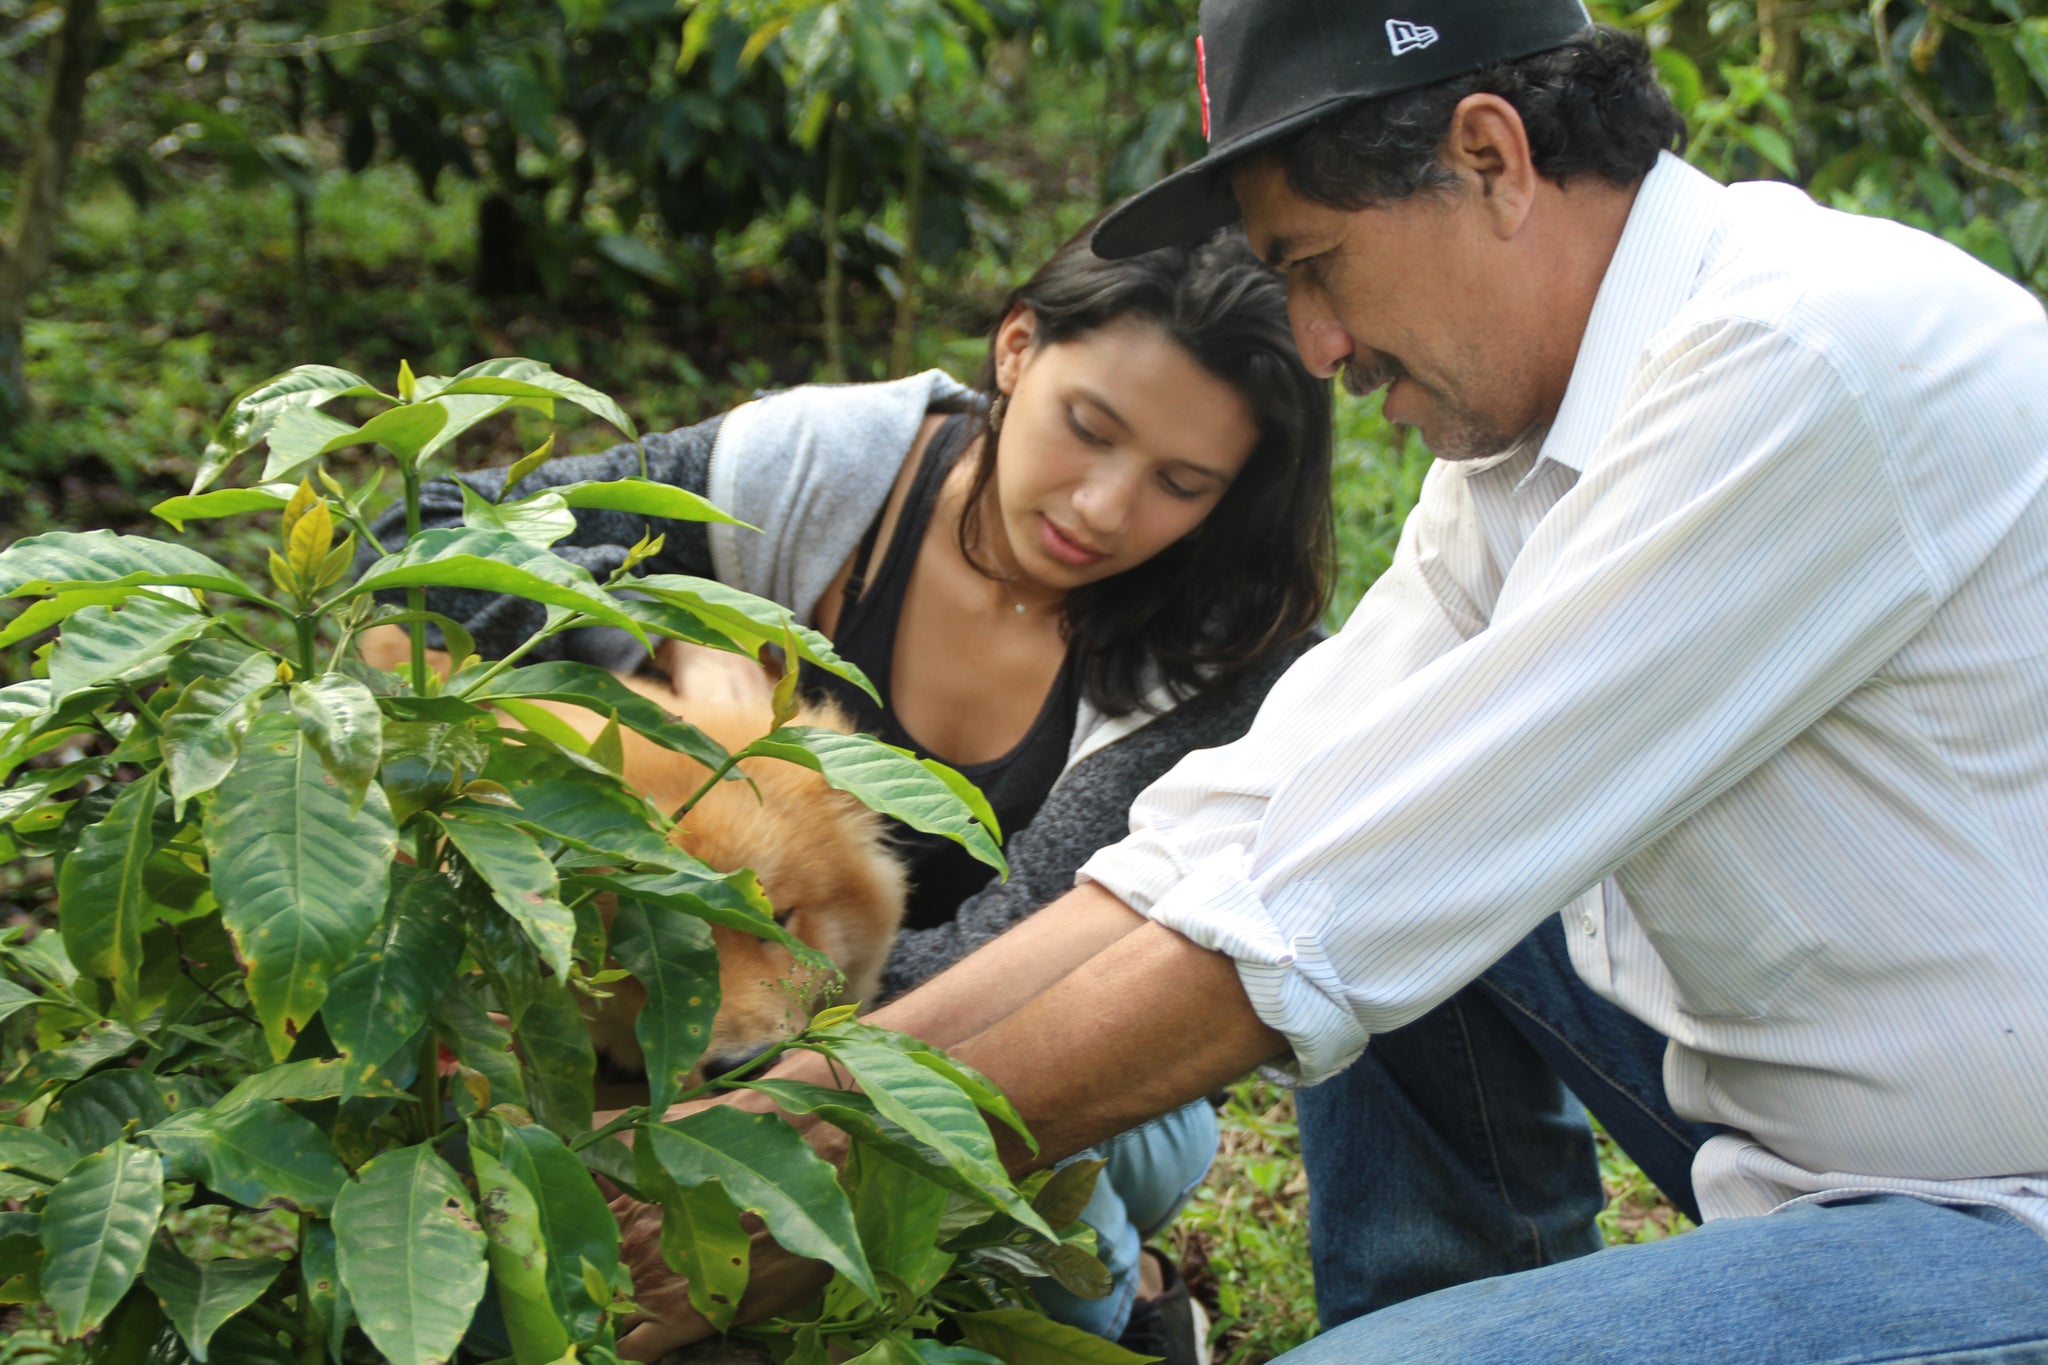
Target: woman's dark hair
<point>1591,107</point>
<point>1255,575</point>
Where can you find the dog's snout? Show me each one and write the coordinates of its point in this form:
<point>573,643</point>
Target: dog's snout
<point>733,1058</point>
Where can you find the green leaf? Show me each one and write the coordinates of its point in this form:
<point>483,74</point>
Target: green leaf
<point>855,1115</point>
<point>733,900</point>
<point>65,561</point>
<point>96,1043</point>
<point>899,1213</point>
<point>107,645</point>
<point>382,998</point>
<point>252,416</point>
<point>97,1225</point>
<point>422,760</point>
<point>575,1222</point>
<point>97,1111</point>
<point>921,792</point>
<point>300,877</point>
<point>561,1063</point>
<point>203,730</point>
<point>260,1154</point>
<point>518,1251</point>
<point>459,641</point>
<point>1018,1336</point>
<point>522,881</point>
<point>478,1043</point>
<point>51,611</point>
<point>297,438</point>
<point>749,620</point>
<point>339,716</point>
<point>198,1296</point>
<point>403,431</point>
<point>600,691</point>
<point>310,1078</point>
<point>223,502</point>
<point>101,899</point>
<point>702,1240</point>
<point>492,561</point>
<point>648,499</point>
<point>2031,42</point>
<point>672,956</point>
<point>35,1154</point>
<point>411,1255</point>
<point>931,1107</point>
<point>539,519</point>
<point>14,999</point>
<point>466,412</point>
<point>321,1278</point>
<point>515,377</point>
<point>1067,1191</point>
<point>769,1170</point>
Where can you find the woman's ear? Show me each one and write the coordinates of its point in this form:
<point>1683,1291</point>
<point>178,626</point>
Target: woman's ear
<point>1014,339</point>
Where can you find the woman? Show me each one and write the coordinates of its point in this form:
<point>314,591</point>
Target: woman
<point>1058,584</point>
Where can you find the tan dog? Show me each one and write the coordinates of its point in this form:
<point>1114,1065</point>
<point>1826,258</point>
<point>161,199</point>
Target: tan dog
<point>820,854</point>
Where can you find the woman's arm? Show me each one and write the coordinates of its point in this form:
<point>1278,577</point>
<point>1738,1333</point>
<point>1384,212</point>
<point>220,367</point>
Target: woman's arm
<point>1087,809</point>
<point>598,544</point>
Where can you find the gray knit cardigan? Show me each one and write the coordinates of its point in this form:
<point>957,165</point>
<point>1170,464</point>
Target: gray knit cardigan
<point>812,467</point>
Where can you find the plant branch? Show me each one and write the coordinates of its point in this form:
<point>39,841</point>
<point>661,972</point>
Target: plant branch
<point>1922,110</point>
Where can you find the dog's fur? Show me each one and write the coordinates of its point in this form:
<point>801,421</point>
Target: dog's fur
<point>820,855</point>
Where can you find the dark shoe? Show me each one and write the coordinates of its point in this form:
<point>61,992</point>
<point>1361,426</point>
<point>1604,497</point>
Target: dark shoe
<point>1172,1326</point>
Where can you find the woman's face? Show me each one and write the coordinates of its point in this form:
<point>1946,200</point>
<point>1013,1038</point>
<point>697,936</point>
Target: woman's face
<point>1114,445</point>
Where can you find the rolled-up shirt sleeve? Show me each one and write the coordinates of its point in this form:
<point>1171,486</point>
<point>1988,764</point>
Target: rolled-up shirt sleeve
<point>1460,761</point>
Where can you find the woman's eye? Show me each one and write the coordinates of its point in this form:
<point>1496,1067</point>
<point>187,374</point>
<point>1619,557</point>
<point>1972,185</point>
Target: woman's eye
<point>1177,489</point>
<point>1075,424</point>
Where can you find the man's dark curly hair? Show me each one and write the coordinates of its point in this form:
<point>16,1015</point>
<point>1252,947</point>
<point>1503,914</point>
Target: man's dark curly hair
<point>1591,107</point>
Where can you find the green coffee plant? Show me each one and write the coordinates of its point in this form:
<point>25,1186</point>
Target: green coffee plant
<point>325,935</point>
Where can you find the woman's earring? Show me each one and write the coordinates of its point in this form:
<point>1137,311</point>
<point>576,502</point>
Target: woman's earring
<point>996,409</point>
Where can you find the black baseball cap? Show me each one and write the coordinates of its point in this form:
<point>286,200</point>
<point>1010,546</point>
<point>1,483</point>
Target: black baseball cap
<point>1269,67</point>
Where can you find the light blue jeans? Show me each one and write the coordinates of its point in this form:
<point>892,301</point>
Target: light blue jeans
<point>1450,1179</point>
<point>1887,1278</point>
<point>1152,1170</point>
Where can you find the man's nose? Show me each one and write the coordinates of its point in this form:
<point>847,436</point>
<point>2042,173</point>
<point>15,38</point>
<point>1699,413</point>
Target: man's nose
<point>1322,341</point>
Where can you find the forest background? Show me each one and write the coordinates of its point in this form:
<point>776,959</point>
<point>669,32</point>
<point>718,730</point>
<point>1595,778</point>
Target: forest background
<point>683,205</point>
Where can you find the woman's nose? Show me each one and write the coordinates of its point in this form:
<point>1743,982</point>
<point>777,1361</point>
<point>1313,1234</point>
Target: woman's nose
<point>1322,341</point>
<point>1103,501</point>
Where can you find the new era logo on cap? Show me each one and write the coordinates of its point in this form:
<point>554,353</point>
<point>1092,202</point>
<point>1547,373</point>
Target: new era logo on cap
<point>1403,36</point>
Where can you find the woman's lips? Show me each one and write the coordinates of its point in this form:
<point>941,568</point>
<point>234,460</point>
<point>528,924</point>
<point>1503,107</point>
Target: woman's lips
<point>1063,547</point>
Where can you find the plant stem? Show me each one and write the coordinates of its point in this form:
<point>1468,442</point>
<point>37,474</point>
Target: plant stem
<point>312,1350</point>
<point>142,713</point>
<point>625,1118</point>
<point>513,656</point>
<point>308,642</point>
<point>415,598</point>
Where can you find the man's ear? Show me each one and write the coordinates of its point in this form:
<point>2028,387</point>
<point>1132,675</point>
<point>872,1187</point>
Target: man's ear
<point>1488,142</point>
<point>1014,340</point>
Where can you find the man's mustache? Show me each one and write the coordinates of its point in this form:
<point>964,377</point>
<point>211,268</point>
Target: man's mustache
<point>1380,371</point>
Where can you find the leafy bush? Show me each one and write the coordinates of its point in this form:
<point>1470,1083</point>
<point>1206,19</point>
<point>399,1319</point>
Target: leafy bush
<point>325,934</point>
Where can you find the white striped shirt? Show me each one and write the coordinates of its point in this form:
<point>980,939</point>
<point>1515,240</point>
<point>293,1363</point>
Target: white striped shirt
<point>1745,671</point>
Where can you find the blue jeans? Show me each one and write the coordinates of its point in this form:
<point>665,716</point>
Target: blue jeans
<point>1439,1168</point>
<point>1885,1278</point>
<point>1152,1170</point>
<point>1456,1148</point>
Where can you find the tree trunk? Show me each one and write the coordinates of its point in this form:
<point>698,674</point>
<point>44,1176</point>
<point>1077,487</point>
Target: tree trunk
<point>903,354</point>
<point>1777,37</point>
<point>835,270</point>
<point>39,201</point>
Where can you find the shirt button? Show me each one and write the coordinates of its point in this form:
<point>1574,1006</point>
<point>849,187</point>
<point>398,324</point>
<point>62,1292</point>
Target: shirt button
<point>1589,924</point>
<point>1286,959</point>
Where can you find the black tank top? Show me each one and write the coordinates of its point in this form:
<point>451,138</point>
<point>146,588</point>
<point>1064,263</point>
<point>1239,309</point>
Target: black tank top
<point>942,874</point>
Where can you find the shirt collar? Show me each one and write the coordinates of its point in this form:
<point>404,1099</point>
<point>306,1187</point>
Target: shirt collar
<point>1656,268</point>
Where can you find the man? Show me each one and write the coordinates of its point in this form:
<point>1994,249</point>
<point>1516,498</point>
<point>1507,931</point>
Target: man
<point>1721,626</point>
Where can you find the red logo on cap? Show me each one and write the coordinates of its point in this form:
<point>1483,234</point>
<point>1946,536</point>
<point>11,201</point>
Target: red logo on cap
<point>1202,79</point>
